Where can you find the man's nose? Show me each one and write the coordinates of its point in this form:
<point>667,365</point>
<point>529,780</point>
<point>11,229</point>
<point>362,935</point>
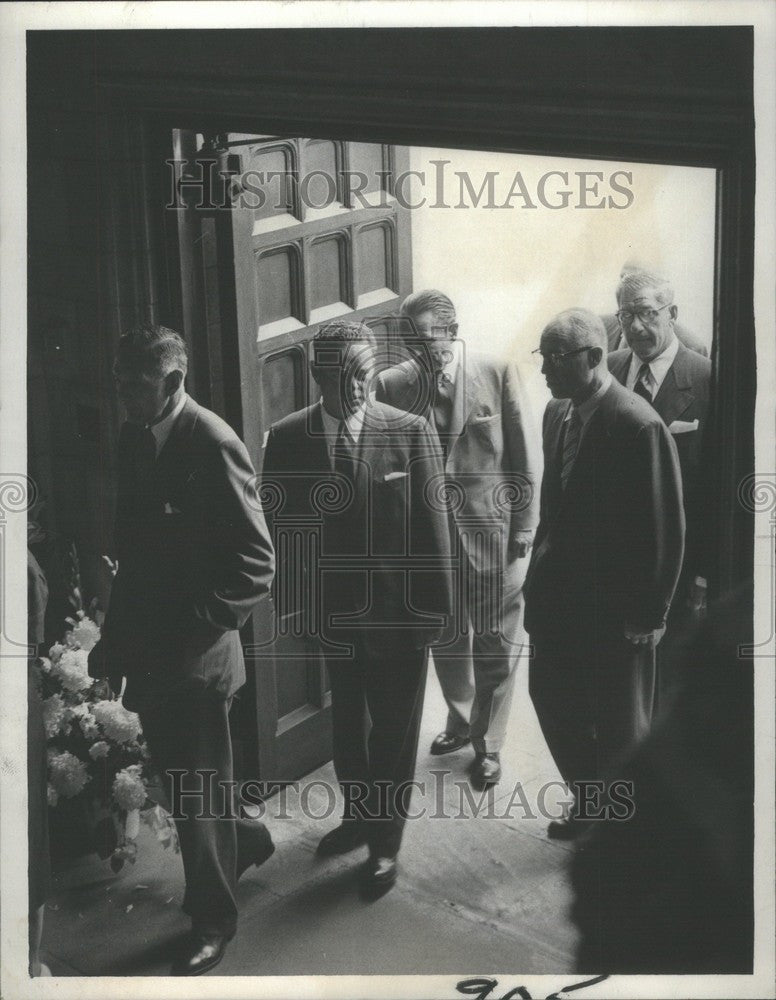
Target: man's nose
<point>546,366</point>
<point>636,324</point>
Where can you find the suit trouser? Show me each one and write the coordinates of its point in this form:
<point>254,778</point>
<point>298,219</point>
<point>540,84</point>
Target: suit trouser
<point>191,733</point>
<point>377,703</point>
<point>477,668</point>
<point>593,700</point>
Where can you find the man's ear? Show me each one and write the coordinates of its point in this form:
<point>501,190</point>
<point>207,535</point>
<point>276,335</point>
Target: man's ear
<point>594,356</point>
<point>453,328</point>
<point>173,381</point>
<point>673,312</point>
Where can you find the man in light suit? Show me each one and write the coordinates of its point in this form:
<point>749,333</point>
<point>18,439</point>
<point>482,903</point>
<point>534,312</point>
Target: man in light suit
<point>606,559</point>
<point>352,474</point>
<point>677,382</point>
<point>476,405</point>
<point>194,558</point>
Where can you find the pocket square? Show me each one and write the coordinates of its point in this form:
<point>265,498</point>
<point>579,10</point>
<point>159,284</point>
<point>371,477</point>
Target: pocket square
<point>169,509</point>
<point>395,475</point>
<point>683,426</point>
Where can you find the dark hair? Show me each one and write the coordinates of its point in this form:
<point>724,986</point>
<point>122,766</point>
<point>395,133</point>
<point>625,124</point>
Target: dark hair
<point>158,350</point>
<point>345,331</point>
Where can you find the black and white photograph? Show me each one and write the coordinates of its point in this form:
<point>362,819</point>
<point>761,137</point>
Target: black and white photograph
<point>388,411</point>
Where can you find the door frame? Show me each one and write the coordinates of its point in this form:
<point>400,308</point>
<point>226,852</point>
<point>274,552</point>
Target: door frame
<point>692,119</point>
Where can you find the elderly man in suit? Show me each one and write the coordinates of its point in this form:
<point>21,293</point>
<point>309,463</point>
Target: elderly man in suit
<point>606,559</point>
<point>616,333</point>
<point>355,473</point>
<point>677,383</point>
<point>194,558</point>
<point>477,406</point>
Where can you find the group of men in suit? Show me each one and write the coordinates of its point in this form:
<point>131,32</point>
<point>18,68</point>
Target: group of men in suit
<point>420,483</point>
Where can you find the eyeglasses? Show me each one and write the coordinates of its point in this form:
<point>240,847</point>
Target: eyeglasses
<point>626,317</point>
<point>435,333</point>
<point>556,359</point>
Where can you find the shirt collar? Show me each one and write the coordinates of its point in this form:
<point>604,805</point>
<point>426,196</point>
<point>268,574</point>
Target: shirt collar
<point>586,410</point>
<point>353,423</point>
<point>163,428</point>
<point>658,367</point>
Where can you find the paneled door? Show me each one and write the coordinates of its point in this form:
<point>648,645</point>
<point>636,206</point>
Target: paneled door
<point>313,232</point>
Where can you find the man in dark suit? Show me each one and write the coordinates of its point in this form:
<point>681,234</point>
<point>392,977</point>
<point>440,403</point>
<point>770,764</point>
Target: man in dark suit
<point>606,558</point>
<point>476,404</point>
<point>677,383</point>
<point>194,558</point>
<point>355,473</point>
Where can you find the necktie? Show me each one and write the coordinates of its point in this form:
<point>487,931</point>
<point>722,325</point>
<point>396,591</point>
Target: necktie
<point>641,387</point>
<point>145,462</point>
<point>343,454</point>
<point>570,445</point>
<point>443,403</point>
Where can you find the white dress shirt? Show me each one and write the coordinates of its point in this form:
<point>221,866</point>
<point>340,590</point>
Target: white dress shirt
<point>658,368</point>
<point>353,425</point>
<point>162,430</point>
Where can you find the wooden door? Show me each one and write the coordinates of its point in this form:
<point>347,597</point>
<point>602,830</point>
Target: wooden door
<point>296,247</point>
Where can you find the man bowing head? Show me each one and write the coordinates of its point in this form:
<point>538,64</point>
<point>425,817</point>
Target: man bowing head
<point>606,560</point>
<point>194,558</point>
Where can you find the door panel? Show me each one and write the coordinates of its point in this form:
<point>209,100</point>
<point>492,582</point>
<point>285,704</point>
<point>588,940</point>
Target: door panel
<point>296,249</point>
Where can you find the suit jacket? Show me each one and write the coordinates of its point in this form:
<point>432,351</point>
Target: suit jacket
<point>492,459</point>
<point>690,340</point>
<point>609,546</point>
<point>194,559</point>
<point>683,398</point>
<point>372,559</point>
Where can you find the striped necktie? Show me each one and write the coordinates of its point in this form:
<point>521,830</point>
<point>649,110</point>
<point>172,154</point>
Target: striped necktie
<point>343,453</point>
<point>570,445</point>
<point>641,387</point>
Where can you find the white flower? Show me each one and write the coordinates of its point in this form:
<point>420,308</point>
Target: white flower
<point>52,795</point>
<point>85,634</point>
<point>56,651</point>
<point>99,749</point>
<point>129,789</point>
<point>54,714</point>
<point>45,664</point>
<point>86,720</point>
<point>118,724</point>
<point>68,774</point>
<point>71,667</point>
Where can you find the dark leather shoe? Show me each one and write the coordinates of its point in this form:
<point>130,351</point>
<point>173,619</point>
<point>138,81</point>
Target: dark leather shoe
<point>264,849</point>
<point>203,953</point>
<point>565,829</point>
<point>486,770</point>
<point>378,876</point>
<point>342,839</point>
<point>447,743</point>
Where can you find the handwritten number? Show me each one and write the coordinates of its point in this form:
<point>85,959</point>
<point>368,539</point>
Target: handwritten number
<point>479,988</point>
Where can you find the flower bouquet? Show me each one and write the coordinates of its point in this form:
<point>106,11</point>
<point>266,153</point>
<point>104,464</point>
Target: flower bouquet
<point>96,751</point>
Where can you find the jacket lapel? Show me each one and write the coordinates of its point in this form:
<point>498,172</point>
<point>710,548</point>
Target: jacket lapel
<point>467,393</point>
<point>676,394</point>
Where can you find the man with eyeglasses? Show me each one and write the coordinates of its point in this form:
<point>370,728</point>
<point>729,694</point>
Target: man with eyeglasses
<point>605,563</point>
<point>476,404</point>
<point>616,336</point>
<point>677,383</point>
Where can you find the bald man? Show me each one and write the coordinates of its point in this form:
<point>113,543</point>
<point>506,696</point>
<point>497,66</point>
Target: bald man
<point>606,559</point>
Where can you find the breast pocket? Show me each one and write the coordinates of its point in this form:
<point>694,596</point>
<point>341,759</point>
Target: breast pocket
<point>487,432</point>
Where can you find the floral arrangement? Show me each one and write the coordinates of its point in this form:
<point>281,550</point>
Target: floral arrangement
<point>96,750</point>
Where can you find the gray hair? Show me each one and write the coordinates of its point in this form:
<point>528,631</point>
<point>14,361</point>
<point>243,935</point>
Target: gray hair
<point>638,279</point>
<point>156,350</point>
<point>345,331</point>
<point>579,325</point>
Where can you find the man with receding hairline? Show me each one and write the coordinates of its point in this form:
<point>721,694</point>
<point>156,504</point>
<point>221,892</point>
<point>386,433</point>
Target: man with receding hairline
<point>194,558</point>
<point>606,559</point>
